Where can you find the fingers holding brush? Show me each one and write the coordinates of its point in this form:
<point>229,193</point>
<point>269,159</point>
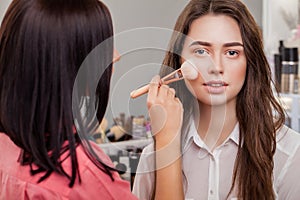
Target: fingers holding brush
<point>165,111</point>
<point>153,90</point>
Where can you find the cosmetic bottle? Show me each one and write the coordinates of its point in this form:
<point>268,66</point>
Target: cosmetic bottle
<point>284,78</point>
<point>277,68</point>
<point>296,84</point>
<point>278,65</point>
<point>281,47</point>
<point>138,128</point>
<point>289,75</point>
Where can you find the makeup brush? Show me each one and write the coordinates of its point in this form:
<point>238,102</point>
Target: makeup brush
<point>186,71</point>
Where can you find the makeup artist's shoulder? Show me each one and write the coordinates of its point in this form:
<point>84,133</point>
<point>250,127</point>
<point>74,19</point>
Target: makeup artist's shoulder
<point>287,139</point>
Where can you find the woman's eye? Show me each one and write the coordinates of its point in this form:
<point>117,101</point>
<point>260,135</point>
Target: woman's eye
<point>200,51</point>
<point>232,53</point>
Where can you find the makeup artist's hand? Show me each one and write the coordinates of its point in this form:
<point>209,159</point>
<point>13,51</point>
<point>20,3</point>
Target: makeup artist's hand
<point>166,114</point>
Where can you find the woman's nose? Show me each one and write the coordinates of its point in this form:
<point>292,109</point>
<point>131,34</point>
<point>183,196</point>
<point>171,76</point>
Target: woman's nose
<point>216,67</point>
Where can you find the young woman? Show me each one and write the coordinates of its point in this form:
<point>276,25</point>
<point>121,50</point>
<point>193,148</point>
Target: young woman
<point>42,46</point>
<point>236,146</point>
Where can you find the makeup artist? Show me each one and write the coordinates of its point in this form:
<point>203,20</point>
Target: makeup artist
<point>42,46</point>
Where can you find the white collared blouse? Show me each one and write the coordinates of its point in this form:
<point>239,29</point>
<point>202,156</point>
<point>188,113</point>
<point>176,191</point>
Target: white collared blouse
<point>208,175</point>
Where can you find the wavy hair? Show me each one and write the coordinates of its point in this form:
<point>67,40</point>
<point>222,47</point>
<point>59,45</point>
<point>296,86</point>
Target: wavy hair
<point>256,103</point>
<point>42,46</point>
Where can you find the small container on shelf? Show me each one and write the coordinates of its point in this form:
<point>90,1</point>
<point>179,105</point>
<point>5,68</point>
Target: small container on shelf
<point>138,128</point>
<point>289,71</point>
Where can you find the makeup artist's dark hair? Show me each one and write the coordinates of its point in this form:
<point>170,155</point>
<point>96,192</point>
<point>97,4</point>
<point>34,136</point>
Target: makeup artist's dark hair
<point>256,103</point>
<point>42,46</point>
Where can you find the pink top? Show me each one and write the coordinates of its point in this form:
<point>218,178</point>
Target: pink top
<point>17,183</point>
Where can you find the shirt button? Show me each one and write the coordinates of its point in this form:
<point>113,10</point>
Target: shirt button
<point>211,192</point>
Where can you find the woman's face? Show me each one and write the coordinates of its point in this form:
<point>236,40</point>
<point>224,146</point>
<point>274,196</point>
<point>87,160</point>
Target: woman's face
<point>215,47</point>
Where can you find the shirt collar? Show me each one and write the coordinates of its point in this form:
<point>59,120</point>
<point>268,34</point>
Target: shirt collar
<point>235,134</point>
<point>192,135</point>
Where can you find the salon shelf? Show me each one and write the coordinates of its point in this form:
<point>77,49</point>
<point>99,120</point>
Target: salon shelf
<point>127,157</point>
<point>112,148</point>
<point>291,103</point>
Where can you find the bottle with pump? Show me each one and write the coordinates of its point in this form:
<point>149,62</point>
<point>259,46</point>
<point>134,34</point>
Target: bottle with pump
<point>278,65</point>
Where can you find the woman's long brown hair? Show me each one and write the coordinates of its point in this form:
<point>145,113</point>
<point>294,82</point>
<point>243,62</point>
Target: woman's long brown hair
<point>258,112</point>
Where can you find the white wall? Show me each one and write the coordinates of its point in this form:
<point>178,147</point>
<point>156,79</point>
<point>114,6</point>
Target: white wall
<point>255,7</point>
<point>139,63</point>
<point>274,26</point>
<point>3,7</point>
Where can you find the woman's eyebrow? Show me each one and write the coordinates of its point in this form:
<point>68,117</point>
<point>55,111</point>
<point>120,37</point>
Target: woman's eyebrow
<point>232,44</point>
<point>200,43</point>
<point>229,44</point>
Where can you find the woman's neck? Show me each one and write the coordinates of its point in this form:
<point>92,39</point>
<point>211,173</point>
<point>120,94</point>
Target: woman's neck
<point>216,123</point>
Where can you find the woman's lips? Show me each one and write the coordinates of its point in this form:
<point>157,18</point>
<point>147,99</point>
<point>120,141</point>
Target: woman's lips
<point>215,87</point>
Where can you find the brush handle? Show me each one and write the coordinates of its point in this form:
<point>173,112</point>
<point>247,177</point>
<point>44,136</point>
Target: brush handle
<point>170,78</point>
<point>139,92</point>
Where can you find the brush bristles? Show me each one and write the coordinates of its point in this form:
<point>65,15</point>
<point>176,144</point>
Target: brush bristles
<point>189,71</point>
